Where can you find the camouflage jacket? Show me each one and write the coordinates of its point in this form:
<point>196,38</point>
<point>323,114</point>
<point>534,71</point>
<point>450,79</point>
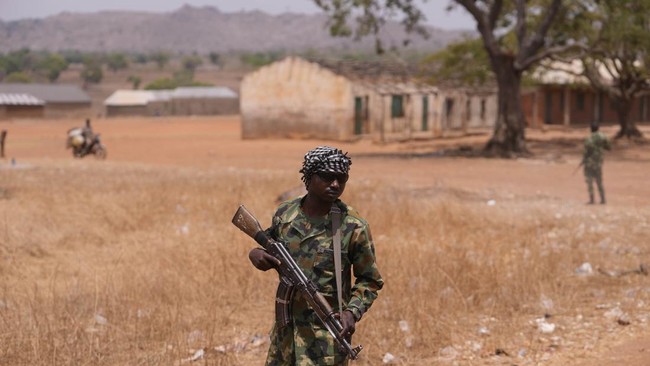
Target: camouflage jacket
<point>309,241</point>
<point>593,153</point>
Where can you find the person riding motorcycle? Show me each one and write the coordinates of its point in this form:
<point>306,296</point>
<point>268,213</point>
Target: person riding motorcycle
<point>84,141</point>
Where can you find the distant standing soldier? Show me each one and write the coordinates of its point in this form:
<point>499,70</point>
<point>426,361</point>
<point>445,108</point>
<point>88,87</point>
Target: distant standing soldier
<point>592,160</point>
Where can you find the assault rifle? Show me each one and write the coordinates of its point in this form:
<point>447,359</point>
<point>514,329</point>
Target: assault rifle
<point>292,278</point>
<point>582,162</point>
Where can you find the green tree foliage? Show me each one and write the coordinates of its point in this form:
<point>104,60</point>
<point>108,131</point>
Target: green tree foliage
<point>167,83</point>
<point>183,77</point>
<point>117,61</point>
<point>362,18</point>
<point>16,61</point>
<point>463,63</point>
<point>190,63</point>
<point>162,84</point>
<point>215,58</point>
<point>140,58</point>
<point>18,77</point>
<point>618,57</point>
<point>33,64</point>
<point>516,35</point>
<point>51,65</point>
<point>92,72</point>
<point>135,81</point>
<point>259,59</point>
<point>74,56</point>
<point>160,58</point>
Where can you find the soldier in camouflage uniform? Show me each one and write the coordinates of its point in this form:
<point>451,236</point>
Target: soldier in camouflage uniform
<point>592,161</point>
<point>305,225</point>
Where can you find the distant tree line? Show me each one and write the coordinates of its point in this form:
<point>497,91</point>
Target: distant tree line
<point>27,66</point>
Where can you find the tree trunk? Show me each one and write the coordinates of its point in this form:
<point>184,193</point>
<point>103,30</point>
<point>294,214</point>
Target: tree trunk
<point>508,139</point>
<point>628,126</point>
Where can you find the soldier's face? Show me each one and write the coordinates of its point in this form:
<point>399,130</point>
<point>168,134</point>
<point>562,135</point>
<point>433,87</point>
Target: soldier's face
<point>327,187</point>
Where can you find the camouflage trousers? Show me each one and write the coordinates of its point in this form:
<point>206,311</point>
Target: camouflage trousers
<point>303,342</point>
<point>591,175</point>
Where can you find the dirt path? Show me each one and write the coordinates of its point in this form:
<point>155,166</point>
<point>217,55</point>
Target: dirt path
<point>215,142</point>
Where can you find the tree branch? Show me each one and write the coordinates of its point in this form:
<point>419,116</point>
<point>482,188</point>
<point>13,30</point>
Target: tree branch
<point>526,63</point>
<point>484,24</point>
<point>537,41</point>
<point>521,23</point>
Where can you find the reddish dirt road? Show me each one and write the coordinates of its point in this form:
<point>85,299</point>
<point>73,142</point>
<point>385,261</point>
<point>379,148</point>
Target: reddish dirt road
<point>215,142</point>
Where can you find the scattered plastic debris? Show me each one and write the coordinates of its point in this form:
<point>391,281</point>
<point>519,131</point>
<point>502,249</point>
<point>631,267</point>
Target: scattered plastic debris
<point>183,230</point>
<point>99,319</point>
<point>404,326</point>
<point>388,358</point>
<point>544,327</point>
<point>585,269</point>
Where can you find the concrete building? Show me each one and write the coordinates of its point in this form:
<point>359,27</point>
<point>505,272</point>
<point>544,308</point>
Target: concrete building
<point>563,97</point>
<point>20,106</point>
<point>183,101</point>
<point>295,97</point>
<point>59,100</point>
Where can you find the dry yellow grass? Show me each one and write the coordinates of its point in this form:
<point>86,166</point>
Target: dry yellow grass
<point>114,264</point>
<point>125,264</point>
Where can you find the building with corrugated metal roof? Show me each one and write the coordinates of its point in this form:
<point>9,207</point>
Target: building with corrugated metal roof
<point>183,101</point>
<point>56,100</point>
<point>20,106</point>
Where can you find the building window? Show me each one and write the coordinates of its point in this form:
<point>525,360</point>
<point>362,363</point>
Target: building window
<point>548,110</point>
<point>397,106</point>
<point>482,110</point>
<point>580,101</point>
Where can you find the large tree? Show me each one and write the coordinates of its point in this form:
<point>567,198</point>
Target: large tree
<point>516,35</point>
<point>617,59</point>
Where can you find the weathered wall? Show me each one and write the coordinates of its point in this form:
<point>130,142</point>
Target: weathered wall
<point>382,126</point>
<point>296,98</point>
<point>562,105</point>
<point>20,111</point>
<point>204,106</point>
<point>125,111</point>
<point>81,110</point>
<point>462,109</point>
<point>481,110</point>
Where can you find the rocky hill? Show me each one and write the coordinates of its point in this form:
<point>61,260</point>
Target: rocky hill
<point>195,29</point>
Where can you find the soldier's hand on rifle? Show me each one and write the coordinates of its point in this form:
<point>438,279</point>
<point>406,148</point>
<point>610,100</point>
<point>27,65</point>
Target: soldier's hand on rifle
<point>348,323</point>
<point>263,260</point>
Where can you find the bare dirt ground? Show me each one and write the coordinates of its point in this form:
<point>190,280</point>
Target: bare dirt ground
<point>549,175</point>
<point>215,142</point>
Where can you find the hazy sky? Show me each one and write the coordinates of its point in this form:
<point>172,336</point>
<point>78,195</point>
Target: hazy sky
<point>20,9</point>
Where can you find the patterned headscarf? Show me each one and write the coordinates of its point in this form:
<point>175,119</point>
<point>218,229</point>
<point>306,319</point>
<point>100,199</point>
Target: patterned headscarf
<point>324,159</point>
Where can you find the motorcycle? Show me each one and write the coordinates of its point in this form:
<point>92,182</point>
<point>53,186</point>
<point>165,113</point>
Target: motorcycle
<point>82,146</point>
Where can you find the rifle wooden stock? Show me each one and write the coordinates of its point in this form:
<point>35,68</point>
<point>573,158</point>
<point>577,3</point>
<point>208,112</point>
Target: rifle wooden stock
<point>292,278</point>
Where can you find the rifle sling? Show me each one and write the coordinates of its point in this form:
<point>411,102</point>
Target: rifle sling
<point>336,239</point>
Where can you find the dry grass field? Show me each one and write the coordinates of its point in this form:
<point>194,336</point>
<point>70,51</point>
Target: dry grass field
<point>133,260</point>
